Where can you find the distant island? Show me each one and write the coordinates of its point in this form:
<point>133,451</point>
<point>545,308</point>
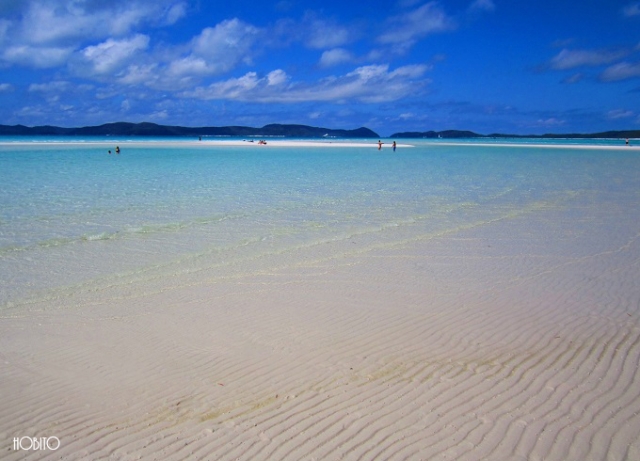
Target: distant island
<point>152,129</point>
<point>455,134</point>
<point>273,130</point>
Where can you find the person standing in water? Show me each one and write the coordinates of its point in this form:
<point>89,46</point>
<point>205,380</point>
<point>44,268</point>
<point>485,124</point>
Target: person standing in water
<point>394,146</point>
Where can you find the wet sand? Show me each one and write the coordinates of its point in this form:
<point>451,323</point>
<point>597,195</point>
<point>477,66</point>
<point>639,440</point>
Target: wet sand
<point>513,338</point>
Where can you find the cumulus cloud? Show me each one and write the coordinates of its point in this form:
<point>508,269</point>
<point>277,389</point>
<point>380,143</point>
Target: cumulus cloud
<point>231,36</point>
<point>570,59</point>
<point>406,29</point>
<point>131,61</point>
<point>334,57</point>
<point>277,77</point>
<point>191,65</point>
<point>375,83</point>
<point>111,55</point>
<point>5,87</point>
<point>234,88</point>
<point>45,33</point>
<point>139,74</point>
<point>218,49</point>
<point>57,21</point>
<point>621,71</point>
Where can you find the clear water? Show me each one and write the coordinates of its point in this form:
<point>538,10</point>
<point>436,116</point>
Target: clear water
<point>74,218</point>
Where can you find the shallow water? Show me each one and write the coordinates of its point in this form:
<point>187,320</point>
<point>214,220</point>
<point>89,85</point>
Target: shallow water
<point>75,218</point>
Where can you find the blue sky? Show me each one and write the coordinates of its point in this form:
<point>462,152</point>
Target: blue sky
<point>400,65</point>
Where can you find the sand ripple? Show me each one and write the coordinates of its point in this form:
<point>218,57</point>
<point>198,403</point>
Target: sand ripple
<point>474,344</point>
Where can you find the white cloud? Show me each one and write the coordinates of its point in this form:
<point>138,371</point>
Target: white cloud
<point>373,83</point>
<point>47,22</point>
<point>193,65</point>
<point>406,29</point>
<point>549,122</point>
<point>6,87</point>
<point>633,9</point>
<point>569,59</point>
<point>4,27</point>
<point>112,55</point>
<point>231,37</point>
<point>51,91</point>
<point>175,13</point>
<point>139,74</point>
<point>277,77</point>
<point>482,5</point>
<point>621,71</point>
<point>218,49</point>
<point>619,113</point>
<point>334,57</point>
<point>44,33</point>
<point>159,115</point>
<point>32,112</point>
<point>35,56</point>
<point>58,91</point>
<point>410,71</point>
<point>55,86</point>
<point>575,78</point>
<point>323,33</point>
<point>234,88</point>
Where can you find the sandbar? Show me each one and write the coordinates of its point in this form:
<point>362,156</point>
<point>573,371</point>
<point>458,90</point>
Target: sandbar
<point>208,143</point>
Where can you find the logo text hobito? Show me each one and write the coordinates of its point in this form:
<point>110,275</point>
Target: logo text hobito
<point>35,443</point>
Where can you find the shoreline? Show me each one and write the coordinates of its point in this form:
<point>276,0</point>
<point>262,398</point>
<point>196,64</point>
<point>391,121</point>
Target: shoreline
<point>544,146</point>
<point>207,143</point>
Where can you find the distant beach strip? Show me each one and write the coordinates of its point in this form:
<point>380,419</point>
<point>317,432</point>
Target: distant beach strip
<point>211,143</point>
<point>318,143</point>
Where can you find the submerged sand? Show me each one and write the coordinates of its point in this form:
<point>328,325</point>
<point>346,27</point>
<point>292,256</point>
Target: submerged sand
<point>511,339</point>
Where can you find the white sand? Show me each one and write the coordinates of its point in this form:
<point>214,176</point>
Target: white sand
<point>513,339</point>
<point>288,143</point>
<point>211,143</point>
<point>634,147</point>
<point>208,143</point>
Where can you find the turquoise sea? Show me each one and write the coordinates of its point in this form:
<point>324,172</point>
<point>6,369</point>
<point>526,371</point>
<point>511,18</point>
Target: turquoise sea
<point>73,217</point>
